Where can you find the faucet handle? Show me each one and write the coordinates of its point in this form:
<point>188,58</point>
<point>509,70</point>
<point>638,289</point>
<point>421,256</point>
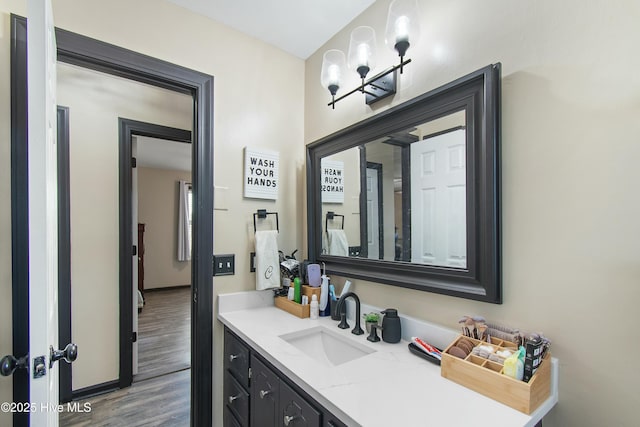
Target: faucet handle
<point>373,336</point>
<point>343,321</point>
<point>357,330</point>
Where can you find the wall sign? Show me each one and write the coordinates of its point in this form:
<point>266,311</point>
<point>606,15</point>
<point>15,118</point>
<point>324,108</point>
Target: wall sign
<point>261,173</point>
<point>332,181</point>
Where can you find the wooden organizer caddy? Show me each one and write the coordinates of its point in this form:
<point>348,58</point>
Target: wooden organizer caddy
<point>485,377</point>
<point>294,308</point>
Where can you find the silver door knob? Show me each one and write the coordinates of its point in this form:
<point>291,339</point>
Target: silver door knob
<point>288,419</point>
<point>264,393</point>
<point>233,357</point>
<point>69,354</point>
<point>232,398</point>
<point>9,364</point>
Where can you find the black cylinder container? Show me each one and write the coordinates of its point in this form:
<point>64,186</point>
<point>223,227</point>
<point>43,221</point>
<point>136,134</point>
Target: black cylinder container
<point>391,328</point>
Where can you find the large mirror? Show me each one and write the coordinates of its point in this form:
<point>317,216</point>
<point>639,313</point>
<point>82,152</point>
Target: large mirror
<point>410,197</point>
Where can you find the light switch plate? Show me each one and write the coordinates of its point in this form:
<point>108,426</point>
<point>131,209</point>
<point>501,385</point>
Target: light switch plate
<point>220,202</point>
<point>224,265</point>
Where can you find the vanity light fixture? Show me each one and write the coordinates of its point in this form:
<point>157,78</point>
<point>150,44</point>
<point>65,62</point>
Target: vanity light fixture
<point>402,29</point>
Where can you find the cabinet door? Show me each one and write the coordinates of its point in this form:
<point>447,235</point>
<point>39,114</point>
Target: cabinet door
<point>294,410</point>
<point>265,393</point>
<point>236,399</point>
<point>236,358</point>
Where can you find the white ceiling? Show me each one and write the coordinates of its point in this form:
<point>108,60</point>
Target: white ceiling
<point>299,27</point>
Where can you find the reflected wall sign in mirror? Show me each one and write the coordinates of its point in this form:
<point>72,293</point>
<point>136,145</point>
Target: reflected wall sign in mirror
<point>410,197</point>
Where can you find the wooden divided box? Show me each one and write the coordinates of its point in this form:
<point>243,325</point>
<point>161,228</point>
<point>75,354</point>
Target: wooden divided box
<point>294,308</point>
<point>485,377</point>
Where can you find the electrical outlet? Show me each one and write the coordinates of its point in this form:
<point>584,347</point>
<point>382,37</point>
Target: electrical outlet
<point>224,265</point>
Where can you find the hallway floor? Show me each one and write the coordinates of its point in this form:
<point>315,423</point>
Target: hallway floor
<point>160,394</point>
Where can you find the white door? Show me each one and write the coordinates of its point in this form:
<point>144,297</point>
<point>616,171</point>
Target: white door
<point>438,193</point>
<point>373,223</point>
<point>43,217</point>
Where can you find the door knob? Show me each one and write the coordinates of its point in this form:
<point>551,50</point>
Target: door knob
<point>9,364</point>
<point>288,419</point>
<point>69,354</point>
<point>264,393</point>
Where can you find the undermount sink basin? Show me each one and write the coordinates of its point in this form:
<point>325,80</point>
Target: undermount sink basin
<point>326,346</point>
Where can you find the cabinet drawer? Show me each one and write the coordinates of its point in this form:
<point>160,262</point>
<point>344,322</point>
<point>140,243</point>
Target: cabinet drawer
<point>236,399</point>
<point>265,393</point>
<point>295,411</point>
<point>236,358</point>
<point>230,419</point>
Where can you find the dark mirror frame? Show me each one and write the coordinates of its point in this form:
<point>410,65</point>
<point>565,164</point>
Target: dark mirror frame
<point>479,94</point>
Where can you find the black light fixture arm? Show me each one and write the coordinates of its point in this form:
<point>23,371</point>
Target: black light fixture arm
<point>372,83</point>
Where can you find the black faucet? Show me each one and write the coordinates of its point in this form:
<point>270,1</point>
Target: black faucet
<point>343,314</point>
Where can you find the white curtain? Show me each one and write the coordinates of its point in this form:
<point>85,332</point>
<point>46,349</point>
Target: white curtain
<point>184,217</point>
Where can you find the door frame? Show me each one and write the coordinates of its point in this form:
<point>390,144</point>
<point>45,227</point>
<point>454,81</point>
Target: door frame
<point>19,213</point>
<point>127,129</point>
<point>100,56</point>
<point>363,170</point>
<point>64,252</point>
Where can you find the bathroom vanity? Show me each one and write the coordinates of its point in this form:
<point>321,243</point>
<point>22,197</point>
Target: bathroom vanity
<point>309,372</point>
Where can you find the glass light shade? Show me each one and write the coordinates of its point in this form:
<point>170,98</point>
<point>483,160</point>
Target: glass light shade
<point>403,26</point>
<point>333,64</point>
<point>362,50</point>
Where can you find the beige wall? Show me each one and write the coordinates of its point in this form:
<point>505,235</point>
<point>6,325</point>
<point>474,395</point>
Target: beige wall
<point>158,209</point>
<point>570,150</point>
<point>95,102</point>
<point>259,95</point>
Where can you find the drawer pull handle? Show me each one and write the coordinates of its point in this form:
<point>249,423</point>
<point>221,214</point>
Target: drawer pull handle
<point>232,398</point>
<point>232,357</point>
<point>263,393</point>
<point>288,419</point>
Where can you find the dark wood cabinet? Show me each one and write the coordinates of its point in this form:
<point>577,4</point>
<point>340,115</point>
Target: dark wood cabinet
<point>259,395</point>
<point>236,400</point>
<point>236,359</point>
<point>265,394</point>
<point>331,421</point>
<point>295,409</point>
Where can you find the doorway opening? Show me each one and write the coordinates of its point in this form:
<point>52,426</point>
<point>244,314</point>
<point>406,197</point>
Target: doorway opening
<point>93,54</point>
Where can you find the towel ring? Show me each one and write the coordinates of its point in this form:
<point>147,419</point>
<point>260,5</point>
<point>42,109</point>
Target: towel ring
<point>330,216</point>
<point>262,214</point>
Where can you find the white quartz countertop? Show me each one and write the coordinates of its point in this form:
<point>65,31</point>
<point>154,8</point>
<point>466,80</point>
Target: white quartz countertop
<point>389,387</point>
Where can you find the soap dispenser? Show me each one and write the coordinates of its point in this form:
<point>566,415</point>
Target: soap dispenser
<point>391,328</point>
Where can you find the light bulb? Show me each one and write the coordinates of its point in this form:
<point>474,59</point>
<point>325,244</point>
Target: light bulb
<point>362,50</point>
<point>363,54</point>
<point>402,29</point>
<point>334,75</point>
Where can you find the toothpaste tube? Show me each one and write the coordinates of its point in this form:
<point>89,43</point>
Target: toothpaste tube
<point>427,348</point>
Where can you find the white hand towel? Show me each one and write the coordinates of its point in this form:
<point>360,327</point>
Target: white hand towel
<point>267,260</point>
<point>337,240</point>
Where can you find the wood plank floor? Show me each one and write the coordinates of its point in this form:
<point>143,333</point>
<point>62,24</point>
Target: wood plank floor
<point>160,393</point>
<point>159,401</point>
<point>164,333</point>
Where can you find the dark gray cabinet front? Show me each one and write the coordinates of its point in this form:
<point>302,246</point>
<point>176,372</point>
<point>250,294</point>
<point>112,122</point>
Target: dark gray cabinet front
<point>236,359</point>
<point>265,392</point>
<point>295,410</point>
<point>236,399</point>
<point>331,421</point>
<point>258,395</point>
